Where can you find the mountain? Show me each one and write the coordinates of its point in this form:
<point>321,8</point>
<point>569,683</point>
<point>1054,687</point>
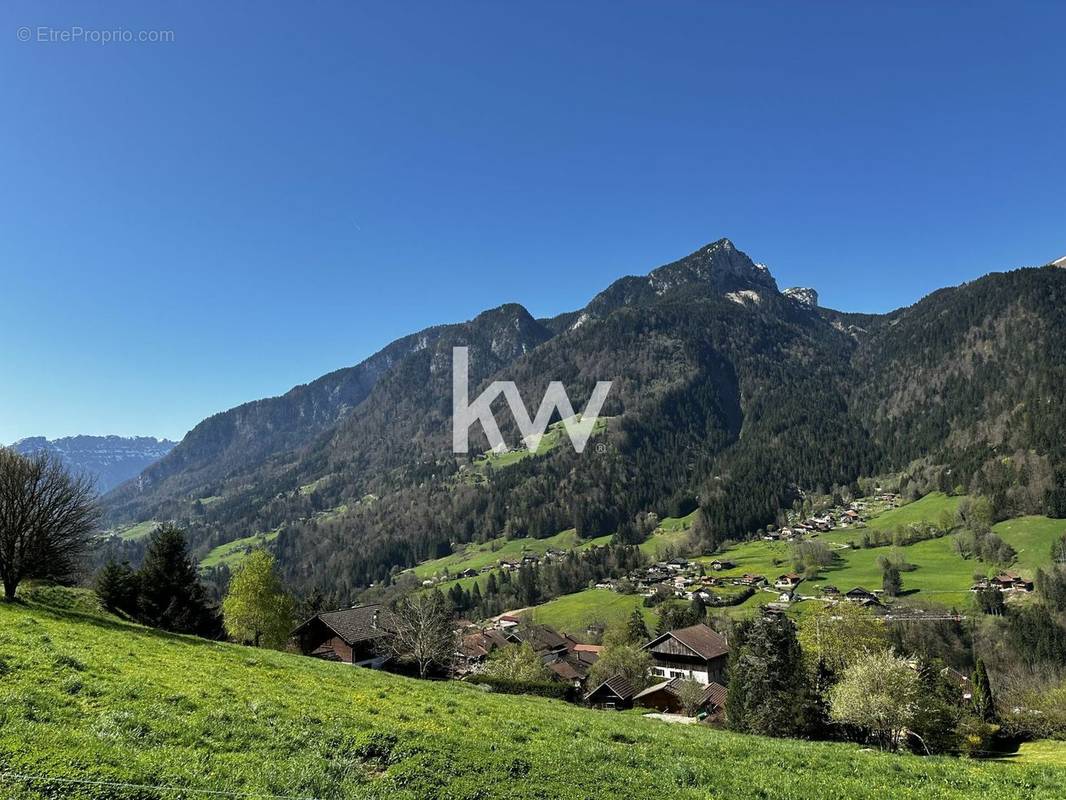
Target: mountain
<point>109,460</point>
<point>727,394</point>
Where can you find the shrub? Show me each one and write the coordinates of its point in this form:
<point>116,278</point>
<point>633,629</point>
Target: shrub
<point>556,691</point>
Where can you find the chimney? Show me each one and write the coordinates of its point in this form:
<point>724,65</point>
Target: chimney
<point>374,621</point>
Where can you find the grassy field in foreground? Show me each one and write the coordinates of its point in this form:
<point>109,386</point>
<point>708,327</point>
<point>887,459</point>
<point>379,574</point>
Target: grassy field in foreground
<point>94,699</point>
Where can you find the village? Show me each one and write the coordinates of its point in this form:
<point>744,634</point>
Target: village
<point>694,654</point>
<point>691,655</point>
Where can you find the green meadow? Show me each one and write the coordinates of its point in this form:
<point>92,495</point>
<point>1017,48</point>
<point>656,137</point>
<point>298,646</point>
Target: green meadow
<point>476,556</point>
<point>573,613</point>
<point>141,530</point>
<point>232,553</point>
<point>90,698</point>
<point>671,534</point>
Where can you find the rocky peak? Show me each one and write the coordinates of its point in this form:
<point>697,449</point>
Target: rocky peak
<point>720,263</point>
<point>802,294</point>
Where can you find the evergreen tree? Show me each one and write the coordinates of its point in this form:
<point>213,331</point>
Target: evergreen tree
<point>171,595</point>
<point>636,629</point>
<point>983,701</point>
<point>698,610</point>
<point>891,581</point>
<point>117,587</point>
<point>768,691</point>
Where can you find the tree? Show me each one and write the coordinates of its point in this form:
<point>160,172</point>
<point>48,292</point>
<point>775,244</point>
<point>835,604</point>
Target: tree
<point>424,633</point>
<point>990,601</point>
<point>690,693</point>
<point>841,634</point>
<point>171,595</point>
<point>519,663</point>
<point>620,658</point>
<point>636,629</point>
<point>769,692</point>
<point>891,582</point>
<point>983,700</point>
<point>117,586</point>
<point>47,517</point>
<point>257,607</point>
<point>879,692</point>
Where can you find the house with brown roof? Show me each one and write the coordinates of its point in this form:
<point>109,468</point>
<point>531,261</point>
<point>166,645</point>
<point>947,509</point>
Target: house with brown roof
<point>666,698</point>
<point>614,693</point>
<point>789,581</point>
<point>357,635</point>
<point>695,652</point>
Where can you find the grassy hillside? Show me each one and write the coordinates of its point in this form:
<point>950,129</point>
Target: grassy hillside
<point>573,613</point>
<point>1031,538</point>
<point>476,556</point>
<point>87,698</point>
<point>232,553</point>
<point>671,533</point>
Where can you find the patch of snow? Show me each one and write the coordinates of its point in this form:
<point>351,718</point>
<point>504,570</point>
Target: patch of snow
<point>744,296</point>
<point>580,321</point>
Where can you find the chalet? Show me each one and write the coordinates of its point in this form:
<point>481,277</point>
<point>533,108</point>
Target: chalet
<point>572,666</point>
<point>862,597</point>
<point>1011,582</point>
<point>787,582</point>
<point>750,580</point>
<point>614,693</point>
<point>830,591</point>
<point>357,635</point>
<point>467,573</point>
<point>720,564</point>
<point>474,648</point>
<point>694,652</point>
<point>541,638</point>
<point>666,697</point>
<point>1004,582</point>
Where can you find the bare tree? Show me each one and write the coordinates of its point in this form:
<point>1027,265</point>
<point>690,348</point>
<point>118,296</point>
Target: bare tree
<point>47,517</point>
<point>424,632</point>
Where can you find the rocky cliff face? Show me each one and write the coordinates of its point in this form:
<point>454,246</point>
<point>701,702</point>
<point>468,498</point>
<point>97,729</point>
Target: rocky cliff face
<point>109,460</point>
<point>803,294</point>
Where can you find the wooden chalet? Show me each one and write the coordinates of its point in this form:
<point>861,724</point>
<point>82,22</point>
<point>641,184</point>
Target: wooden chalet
<point>614,693</point>
<point>666,697</point>
<point>695,652</point>
<point>862,596</point>
<point>789,581</point>
<point>357,635</point>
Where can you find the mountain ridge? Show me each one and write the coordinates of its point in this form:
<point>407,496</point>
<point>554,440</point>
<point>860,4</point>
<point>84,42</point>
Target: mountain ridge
<point>727,393</point>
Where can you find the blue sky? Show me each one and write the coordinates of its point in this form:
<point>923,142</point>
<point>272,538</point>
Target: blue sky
<point>274,194</point>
